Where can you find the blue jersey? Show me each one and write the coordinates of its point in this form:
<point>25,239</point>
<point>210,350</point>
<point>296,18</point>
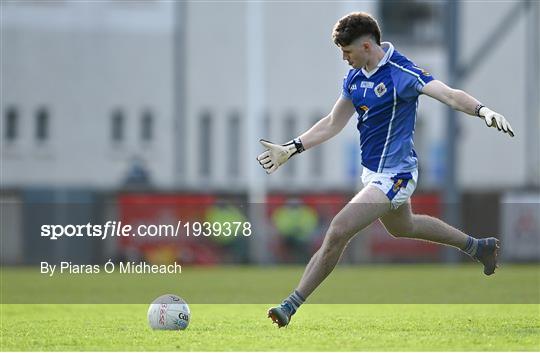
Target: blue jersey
<point>386,100</point>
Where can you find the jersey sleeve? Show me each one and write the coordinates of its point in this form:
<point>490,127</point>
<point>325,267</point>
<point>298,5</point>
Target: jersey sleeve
<point>345,92</point>
<point>410,80</point>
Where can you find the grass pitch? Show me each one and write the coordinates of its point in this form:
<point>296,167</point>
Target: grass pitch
<point>365,284</point>
<point>236,327</point>
<point>364,308</point>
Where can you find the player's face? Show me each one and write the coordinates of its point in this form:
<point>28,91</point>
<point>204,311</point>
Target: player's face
<point>356,54</point>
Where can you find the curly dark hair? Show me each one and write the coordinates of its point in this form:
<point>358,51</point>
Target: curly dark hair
<point>353,26</point>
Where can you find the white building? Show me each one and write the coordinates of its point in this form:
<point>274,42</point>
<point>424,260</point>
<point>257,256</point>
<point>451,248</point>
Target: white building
<point>89,87</point>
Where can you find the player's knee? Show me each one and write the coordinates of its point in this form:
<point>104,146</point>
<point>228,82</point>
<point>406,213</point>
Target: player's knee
<point>339,232</point>
<point>337,235</point>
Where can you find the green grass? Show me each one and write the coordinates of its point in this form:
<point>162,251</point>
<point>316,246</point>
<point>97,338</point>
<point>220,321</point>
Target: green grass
<point>361,308</point>
<point>367,284</point>
<point>317,327</point>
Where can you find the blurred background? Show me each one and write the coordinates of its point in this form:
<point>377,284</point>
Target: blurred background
<point>151,111</point>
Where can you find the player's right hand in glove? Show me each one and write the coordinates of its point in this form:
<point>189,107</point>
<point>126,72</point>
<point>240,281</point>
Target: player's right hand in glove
<point>276,155</point>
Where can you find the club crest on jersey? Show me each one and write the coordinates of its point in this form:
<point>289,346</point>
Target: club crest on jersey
<point>380,90</point>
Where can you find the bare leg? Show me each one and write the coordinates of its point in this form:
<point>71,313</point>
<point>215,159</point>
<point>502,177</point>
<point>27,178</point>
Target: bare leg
<point>367,206</point>
<point>403,223</point>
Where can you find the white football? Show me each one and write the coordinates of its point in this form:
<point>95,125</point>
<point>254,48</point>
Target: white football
<point>169,312</point>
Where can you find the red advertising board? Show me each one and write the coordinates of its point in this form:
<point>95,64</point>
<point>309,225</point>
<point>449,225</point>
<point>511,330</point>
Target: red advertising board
<point>181,211</point>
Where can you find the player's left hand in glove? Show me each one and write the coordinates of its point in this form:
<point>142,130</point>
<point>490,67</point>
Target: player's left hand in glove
<point>276,155</point>
<point>496,120</point>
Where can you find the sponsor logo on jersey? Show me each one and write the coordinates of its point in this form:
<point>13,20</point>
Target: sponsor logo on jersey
<point>380,90</point>
<point>366,84</point>
<point>353,87</point>
<point>364,108</point>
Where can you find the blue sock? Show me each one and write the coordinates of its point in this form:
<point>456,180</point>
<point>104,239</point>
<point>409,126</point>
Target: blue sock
<point>293,302</point>
<point>471,246</point>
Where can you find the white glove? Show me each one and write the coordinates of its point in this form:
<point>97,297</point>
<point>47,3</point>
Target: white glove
<point>500,122</point>
<point>277,155</point>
